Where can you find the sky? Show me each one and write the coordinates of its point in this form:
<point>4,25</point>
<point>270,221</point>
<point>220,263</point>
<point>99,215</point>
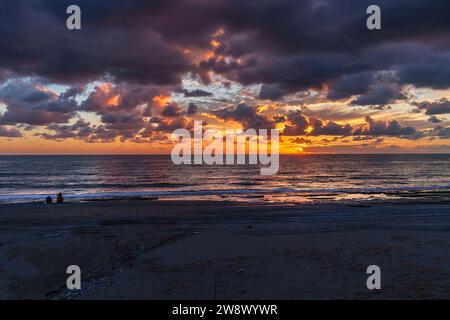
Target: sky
<point>137,70</point>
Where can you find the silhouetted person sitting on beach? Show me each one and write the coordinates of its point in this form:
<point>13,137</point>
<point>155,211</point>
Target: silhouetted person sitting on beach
<point>59,198</point>
<point>48,200</point>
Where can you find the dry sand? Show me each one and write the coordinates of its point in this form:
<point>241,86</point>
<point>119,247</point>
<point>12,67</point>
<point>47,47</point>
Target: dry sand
<point>224,250</point>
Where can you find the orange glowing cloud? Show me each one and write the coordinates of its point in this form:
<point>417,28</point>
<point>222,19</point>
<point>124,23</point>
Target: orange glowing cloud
<point>215,44</point>
<point>113,101</point>
<point>208,55</point>
<point>106,87</point>
<point>262,108</point>
<point>199,54</point>
<point>161,100</point>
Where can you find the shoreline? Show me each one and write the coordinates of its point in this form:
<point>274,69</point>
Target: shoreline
<point>247,195</point>
<point>225,250</point>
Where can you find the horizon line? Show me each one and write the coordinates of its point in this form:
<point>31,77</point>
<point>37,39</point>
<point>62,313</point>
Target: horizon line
<point>168,154</point>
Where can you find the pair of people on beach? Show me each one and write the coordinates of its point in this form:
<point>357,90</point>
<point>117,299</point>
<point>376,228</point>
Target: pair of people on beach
<point>59,199</point>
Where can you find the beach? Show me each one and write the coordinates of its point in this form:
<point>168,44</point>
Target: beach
<point>161,249</point>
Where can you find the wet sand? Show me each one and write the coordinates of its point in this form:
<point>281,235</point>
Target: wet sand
<point>224,250</point>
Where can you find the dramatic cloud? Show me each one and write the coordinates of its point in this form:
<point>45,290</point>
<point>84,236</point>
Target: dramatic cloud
<point>349,85</point>
<point>29,103</point>
<point>192,109</point>
<point>287,45</point>
<point>168,125</point>
<point>81,130</point>
<point>429,72</point>
<point>108,97</point>
<point>9,132</point>
<point>320,127</point>
<point>37,42</point>
<point>440,132</point>
<point>375,89</point>
<point>441,106</point>
<point>385,128</point>
<point>247,116</point>
<point>172,110</point>
<point>298,124</point>
<point>271,92</point>
<point>301,140</point>
<point>434,119</point>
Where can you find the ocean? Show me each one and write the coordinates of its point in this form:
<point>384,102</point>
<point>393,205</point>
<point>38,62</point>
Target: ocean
<point>301,178</point>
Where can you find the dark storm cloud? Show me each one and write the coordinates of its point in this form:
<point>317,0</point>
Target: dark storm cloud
<point>247,116</point>
<point>28,103</point>
<point>35,40</point>
<point>349,85</point>
<point>80,129</point>
<point>72,92</point>
<point>320,127</point>
<point>440,132</point>
<point>172,110</point>
<point>192,109</point>
<point>381,94</point>
<point>124,125</point>
<point>270,92</point>
<point>430,72</point>
<point>296,46</point>
<point>386,128</point>
<point>441,106</point>
<point>123,120</point>
<point>196,93</point>
<point>372,88</point>
<point>434,119</point>
<point>305,43</point>
<point>297,124</point>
